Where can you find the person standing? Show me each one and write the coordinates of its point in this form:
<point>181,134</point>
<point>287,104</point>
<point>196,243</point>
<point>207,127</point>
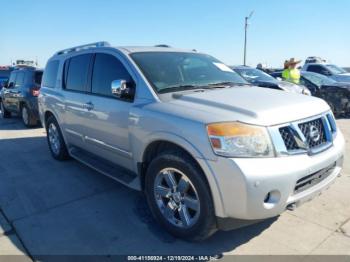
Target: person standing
<point>291,73</point>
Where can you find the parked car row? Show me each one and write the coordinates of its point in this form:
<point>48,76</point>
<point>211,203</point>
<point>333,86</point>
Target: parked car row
<point>209,149</point>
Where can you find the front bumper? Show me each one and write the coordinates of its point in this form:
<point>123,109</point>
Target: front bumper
<point>244,184</point>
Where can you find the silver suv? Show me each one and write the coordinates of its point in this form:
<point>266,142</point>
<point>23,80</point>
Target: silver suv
<point>209,150</point>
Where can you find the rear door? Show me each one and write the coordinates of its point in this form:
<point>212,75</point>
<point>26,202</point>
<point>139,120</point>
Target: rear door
<point>107,123</point>
<point>77,116</point>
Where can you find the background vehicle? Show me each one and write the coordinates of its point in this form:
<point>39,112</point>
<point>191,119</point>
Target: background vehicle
<point>188,131</point>
<point>315,59</point>
<point>336,94</point>
<point>5,72</point>
<point>20,95</point>
<point>335,72</point>
<point>262,79</point>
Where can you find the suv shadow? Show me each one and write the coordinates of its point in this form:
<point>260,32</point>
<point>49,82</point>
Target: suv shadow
<point>65,208</point>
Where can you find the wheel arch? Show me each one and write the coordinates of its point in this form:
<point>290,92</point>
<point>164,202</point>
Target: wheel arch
<point>157,146</point>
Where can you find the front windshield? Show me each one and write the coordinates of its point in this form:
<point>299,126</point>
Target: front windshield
<point>336,69</point>
<point>318,79</point>
<point>254,75</point>
<point>177,71</point>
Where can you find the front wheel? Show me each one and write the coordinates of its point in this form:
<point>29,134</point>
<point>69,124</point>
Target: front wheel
<point>4,112</point>
<point>179,196</point>
<point>27,117</point>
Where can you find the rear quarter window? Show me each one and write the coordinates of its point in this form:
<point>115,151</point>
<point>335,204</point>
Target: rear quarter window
<point>50,74</point>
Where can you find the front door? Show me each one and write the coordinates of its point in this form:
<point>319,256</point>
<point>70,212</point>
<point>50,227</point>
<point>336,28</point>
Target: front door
<point>7,93</point>
<point>107,123</point>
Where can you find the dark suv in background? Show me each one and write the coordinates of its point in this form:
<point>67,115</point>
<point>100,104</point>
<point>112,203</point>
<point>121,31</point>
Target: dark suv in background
<point>19,95</point>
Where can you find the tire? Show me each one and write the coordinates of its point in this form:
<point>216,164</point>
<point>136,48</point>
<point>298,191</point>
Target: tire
<point>27,117</point>
<point>4,112</point>
<point>201,221</point>
<point>55,140</point>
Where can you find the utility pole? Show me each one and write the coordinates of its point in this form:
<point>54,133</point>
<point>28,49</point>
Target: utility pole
<point>245,36</point>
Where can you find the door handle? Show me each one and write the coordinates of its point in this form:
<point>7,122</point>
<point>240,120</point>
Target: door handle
<point>89,106</point>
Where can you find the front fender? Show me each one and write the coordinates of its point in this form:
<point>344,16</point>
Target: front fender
<point>185,144</point>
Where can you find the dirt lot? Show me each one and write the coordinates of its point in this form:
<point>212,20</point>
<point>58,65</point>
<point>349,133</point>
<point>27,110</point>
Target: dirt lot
<point>49,207</point>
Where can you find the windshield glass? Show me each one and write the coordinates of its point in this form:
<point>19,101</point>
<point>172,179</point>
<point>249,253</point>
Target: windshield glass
<point>336,69</point>
<point>176,71</point>
<point>318,79</point>
<point>253,75</point>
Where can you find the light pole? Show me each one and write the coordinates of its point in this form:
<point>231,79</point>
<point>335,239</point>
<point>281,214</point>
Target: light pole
<point>245,36</point>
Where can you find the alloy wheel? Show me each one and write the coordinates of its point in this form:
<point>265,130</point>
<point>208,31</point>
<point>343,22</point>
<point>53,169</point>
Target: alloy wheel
<point>54,139</point>
<point>176,198</point>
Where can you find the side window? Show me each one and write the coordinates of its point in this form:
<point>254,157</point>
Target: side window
<point>19,79</point>
<point>78,72</point>
<point>50,74</point>
<point>12,80</point>
<point>106,69</point>
<point>315,68</point>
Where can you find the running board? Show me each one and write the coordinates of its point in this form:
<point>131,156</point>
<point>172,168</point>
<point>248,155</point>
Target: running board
<point>106,167</point>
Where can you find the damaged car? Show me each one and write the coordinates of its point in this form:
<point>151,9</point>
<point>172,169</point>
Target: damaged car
<point>336,94</point>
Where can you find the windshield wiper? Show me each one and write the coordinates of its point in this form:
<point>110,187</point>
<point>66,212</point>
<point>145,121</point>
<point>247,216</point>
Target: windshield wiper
<point>179,88</point>
<point>227,84</point>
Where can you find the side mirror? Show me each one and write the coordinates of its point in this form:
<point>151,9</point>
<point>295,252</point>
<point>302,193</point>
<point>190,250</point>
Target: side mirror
<point>279,78</point>
<point>119,88</point>
<point>326,73</point>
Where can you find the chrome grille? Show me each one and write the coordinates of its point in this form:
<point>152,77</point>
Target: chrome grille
<point>318,126</point>
<point>288,138</point>
<point>309,136</point>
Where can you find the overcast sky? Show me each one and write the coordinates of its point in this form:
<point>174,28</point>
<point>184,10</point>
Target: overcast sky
<point>279,30</point>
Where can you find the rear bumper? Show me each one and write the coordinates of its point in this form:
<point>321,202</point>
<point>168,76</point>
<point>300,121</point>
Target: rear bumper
<point>245,184</point>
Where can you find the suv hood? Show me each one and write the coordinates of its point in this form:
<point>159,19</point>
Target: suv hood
<point>252,105</point>
<point>342,77</point>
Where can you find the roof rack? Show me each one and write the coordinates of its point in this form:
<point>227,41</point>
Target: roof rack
<point>82,47</point>
<point>162,45</point>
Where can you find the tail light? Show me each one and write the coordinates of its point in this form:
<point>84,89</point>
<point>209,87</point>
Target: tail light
<point>35,91</point>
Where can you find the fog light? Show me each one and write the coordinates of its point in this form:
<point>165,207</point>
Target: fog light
<point>271,199</point>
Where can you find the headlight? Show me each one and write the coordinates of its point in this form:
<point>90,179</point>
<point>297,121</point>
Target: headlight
<point>234,139</point>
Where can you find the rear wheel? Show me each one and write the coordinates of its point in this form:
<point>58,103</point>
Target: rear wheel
<point>27,117</point>
<point>4,112</point>
<point>55,140</point>
<point>179,196</point>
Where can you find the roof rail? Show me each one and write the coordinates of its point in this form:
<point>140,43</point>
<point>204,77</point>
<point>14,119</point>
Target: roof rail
<point>82,47</point>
